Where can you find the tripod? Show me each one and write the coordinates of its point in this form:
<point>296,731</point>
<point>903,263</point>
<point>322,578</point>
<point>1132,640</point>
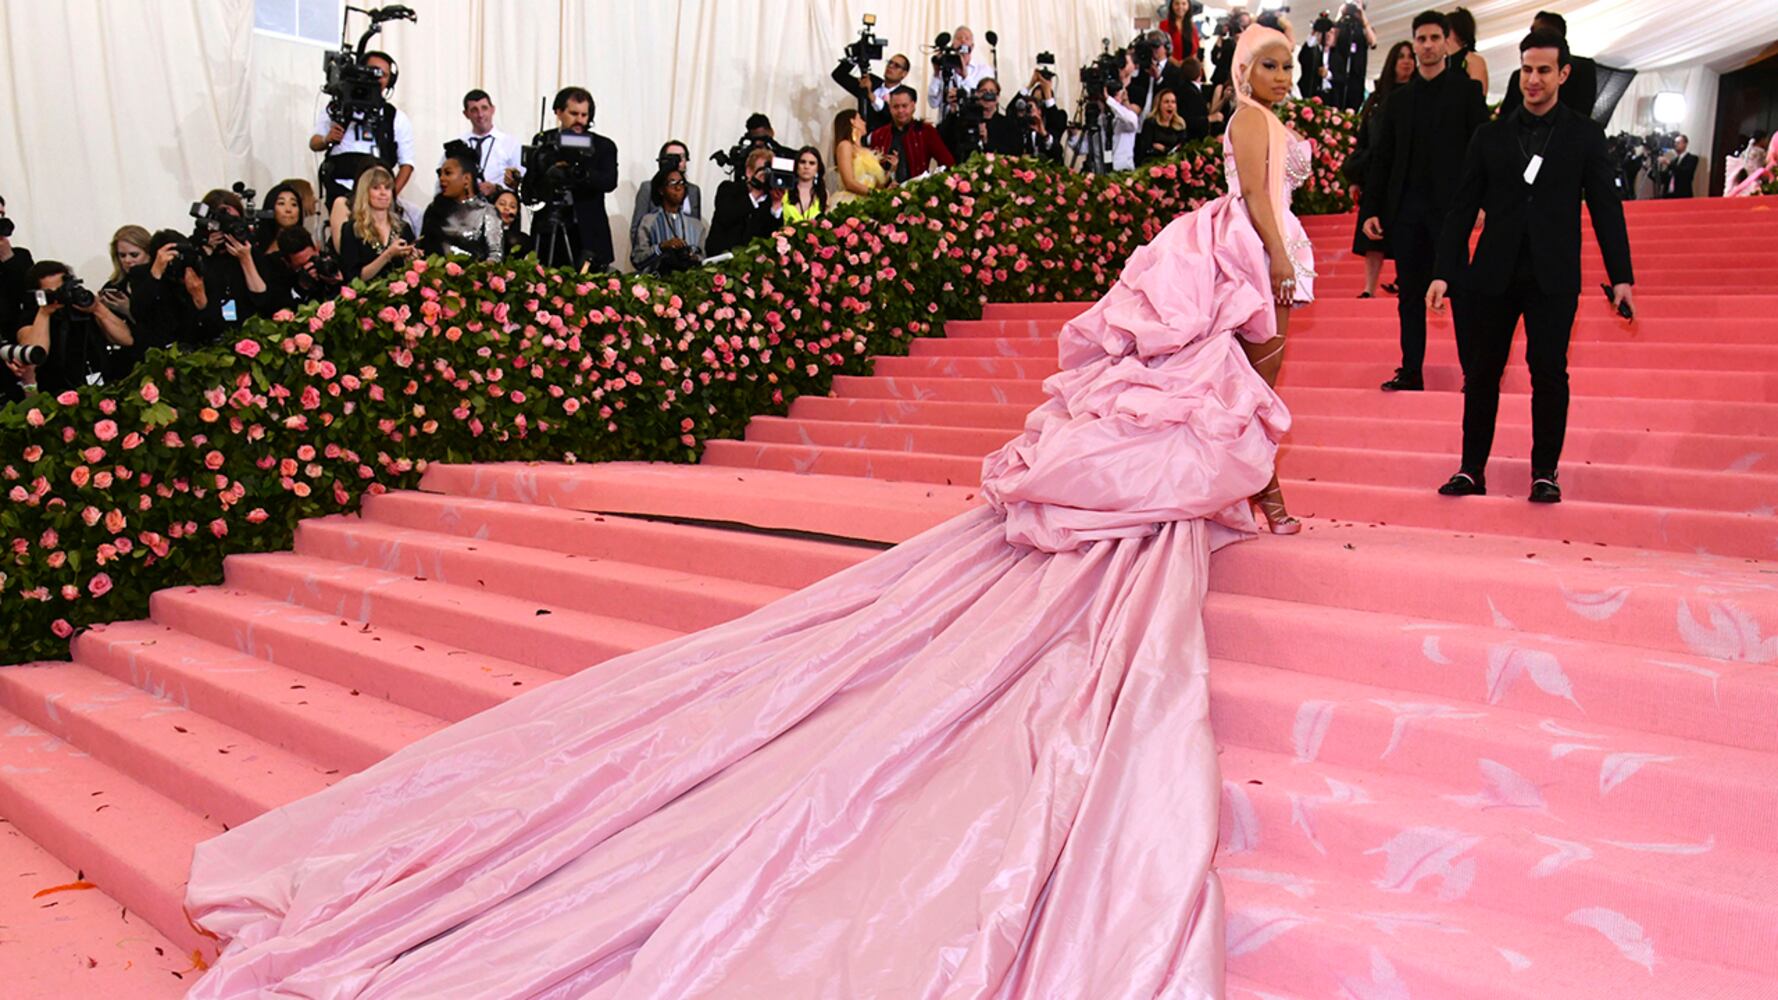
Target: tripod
<point>555,233</point>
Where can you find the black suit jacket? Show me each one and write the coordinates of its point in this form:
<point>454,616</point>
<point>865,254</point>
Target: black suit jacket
<point>737,220</point>
<point>1579,93</point>
<point>1461,109</point>
<point>1679,176</point>
<point>591,226</point>
<point>1194,107</point>
<point>1544,214</point>
<point>1308,60</point>
<point>846,75</point>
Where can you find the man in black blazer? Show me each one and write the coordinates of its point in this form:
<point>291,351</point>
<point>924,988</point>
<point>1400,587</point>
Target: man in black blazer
<point>1415,159</point>
<point>1682,171</point>
<point>584,166</point>
<point>1581,89</point>
<point>1529,172</point>
<point>1161,74</point>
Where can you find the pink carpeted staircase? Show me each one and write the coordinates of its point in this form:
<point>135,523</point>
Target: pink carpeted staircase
<point>1471,748</point>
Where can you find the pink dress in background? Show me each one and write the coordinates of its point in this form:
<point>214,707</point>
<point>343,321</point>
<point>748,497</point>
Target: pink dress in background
<point>978,765</point>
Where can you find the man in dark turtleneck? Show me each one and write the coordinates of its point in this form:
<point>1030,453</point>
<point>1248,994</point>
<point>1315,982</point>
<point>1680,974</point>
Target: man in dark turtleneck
<point>1529,171</point>
<point>1418,142</point>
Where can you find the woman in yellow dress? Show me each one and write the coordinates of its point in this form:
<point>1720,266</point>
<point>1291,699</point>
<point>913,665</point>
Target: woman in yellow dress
<point>860,170</point>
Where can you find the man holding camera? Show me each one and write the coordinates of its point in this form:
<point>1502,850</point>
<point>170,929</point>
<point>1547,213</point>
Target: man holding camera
<point>1529,171</point>
<point>955,73</point>
<point>1155,72</point>
<point>15,262</point>
<point>303,274</point>
<point>984,128</point>
<point>381,135</point>
<point>1353,40</point>
<point>907,147</point>
<point>571,170</point>
<point>1416,157</point>
<point>499,160</point>
<point>71,325</point>
<point>747,208</point>
<point>872,93</point>
<point>169,299</point>
<point>230,268</point>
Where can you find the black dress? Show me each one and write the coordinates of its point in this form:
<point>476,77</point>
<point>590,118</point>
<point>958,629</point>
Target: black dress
<point>1154,132</point>
<point>1353,169</point>
<point>355,252</point>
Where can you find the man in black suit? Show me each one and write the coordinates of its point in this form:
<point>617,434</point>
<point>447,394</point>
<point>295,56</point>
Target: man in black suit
<point>1582,86</point>
<point>870,91</point>
<point>1681,171</point>
<point>586,175</point>
<point>1160,74</point>
<point>1314,78</point>
<point>1415,159</point>
<point>1528,171</point>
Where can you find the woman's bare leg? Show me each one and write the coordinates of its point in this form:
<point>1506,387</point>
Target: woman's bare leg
<point>1373,269</point>
<point>1267,358</point>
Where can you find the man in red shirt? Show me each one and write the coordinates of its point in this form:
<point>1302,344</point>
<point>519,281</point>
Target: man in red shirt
<point>907,147</point>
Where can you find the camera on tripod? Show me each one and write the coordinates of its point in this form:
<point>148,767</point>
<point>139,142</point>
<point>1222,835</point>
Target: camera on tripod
<point>734,158</point>
<point>559,162</point>
<point>869,46</point>
<point>1101,79</point>
<point>71,293</point>
<point>1145,51</point>
<point>355,87</point>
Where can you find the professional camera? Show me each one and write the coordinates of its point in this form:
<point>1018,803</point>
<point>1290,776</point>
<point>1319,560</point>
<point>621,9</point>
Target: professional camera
<point>188,256</point>
<point>1100,78</point>
<point>868,47</point>
<point>6,229</point>
<point>22,354</point>
<point>1146,51</point>
<point>560,161</point>
<point>946,58</point>
<point>734,158</point>
<point>1046,65</point>
<point>783,176</point>
<point>71,293</point>
<point>354,86</point>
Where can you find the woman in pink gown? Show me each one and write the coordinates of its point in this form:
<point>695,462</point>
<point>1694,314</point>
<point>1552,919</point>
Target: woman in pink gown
<point>978,765</point>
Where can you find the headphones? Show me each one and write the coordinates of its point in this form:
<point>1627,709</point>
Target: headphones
<point>394,67</point>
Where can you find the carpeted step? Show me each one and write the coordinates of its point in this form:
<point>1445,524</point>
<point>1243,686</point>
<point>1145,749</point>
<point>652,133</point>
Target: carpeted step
<point>210,768</point>
<point>132,842</point>
<point>922,467</point>
<point>338,727</point>
<point>533,632</point>
<point>1702,416</point>
<point>670,599</point>
<point>1586,684</point>
<point>965,441</point>
<point>419,673</point>
<point>76,942</point>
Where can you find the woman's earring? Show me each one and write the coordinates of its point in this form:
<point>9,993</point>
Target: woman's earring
<point>1246,89</point>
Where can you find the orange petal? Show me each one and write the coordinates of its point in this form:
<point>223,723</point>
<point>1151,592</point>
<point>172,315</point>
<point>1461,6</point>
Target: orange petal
<point>39,894</point>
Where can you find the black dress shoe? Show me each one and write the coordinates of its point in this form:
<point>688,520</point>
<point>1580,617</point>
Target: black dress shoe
<point>1545,490</point>
<point>1392,289</point>
<point>1464,484</point>
<point>1403,382</point>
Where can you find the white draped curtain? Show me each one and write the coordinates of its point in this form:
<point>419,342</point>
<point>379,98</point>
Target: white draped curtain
<point>125,111</point>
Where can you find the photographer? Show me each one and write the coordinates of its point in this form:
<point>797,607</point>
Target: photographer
<point>748,208</point>
<point>304,274</point>
<point>907,146</point>
<point>460,223</point>
<point>499,162</point>
<point>1045,121</point>
<point>674,155</point>
<point>572,183</point>
<point>381,133</point>
<point>1353,41</point>
<point>871,92</point>
<point>983,128</point>
<point>1315,79</point>
<point>955,72</point>
<point>1155,73</point>
<point>670,238</point>
<point>1119,120</point>
<point>1222,57</point>
<point>72,325</point>
<point>230,268</point>
<point>169,300</point>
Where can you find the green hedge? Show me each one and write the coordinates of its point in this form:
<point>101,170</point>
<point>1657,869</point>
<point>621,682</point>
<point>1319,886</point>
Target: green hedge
<point>115,492</point>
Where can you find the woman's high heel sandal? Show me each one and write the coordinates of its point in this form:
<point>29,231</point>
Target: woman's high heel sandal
<point>1278,519</point>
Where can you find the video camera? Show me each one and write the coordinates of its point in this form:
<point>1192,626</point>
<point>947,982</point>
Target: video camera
<point>354,86</point>
<point>558,161</point>
<point>1146,50</point>
<point>946,58</point>
<point>71,293</point>
<point>6,228</point>
<point>1101,78</point>
<point>734,158</point>
<point>868,47</point>
<point>1046,65</point>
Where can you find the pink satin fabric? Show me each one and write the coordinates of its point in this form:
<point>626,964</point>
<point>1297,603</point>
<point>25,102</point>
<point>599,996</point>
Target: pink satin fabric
<point>978,765</point>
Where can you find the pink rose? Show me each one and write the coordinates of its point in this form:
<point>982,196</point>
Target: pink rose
<point>61,628</point>
<point>99,585</point>
<point>68,398</point>
<point>257,515</point>
<point>247,347</point>
<point>80,476</point>
<point>213,460</point>
<point>219,527</point>
<point>150,392</point>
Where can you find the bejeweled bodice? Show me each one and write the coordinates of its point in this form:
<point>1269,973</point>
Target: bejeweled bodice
<point>1299,160</point>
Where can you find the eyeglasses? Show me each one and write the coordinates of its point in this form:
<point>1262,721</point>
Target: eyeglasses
<point>899,65</point>
<point>674,184</point>
<point>990,98</point>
